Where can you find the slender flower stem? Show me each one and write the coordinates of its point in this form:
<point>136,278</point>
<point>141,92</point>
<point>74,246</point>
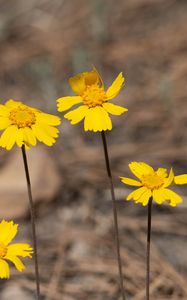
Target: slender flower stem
<point>114,213</point>
<point>148,247</point>
<point>32,212</point>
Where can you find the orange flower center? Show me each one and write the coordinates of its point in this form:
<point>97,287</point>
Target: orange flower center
<point>22,117</point>
<point>152,181</point>
<point>94,96</point>
<point>3,250</point>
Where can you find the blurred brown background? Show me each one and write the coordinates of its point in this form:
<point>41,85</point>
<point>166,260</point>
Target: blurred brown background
<point>44,42</point>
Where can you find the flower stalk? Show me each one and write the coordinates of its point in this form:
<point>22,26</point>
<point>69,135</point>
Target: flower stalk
<point>33,225</point>
<point>117,241</point>
<point>149,216</point>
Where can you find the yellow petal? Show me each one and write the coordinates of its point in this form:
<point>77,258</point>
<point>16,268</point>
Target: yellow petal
<point>48,119</point>
<point>140,168</point>
<point>91,77</point>
<point>114,109</point>
<point>180,179</point>
<point>135,195</point>
<point>28,136</point>
<point>4,122</point>
<point>4,111</point>
<point>97,119</point>
<point>116,86</point>
<point>12,104</point>
<point>17,262</point>
<point>49,130</point>
<point>8,231</point>
<point>8,138</point>
<point>77,84</point>
<point>88,122</point>
<point>162,172</point>
<point>66,103</point>
<point>76,115</point>
<point>158,196</point>
<point>24,250</point>
<point>172,197</point>
<point>42,136</point>
<point>130,181</point>
<point>168,181</point>
<point>15,250</point>
<point>4,269</point>
<point>144,198</point>
<point>19,137</point>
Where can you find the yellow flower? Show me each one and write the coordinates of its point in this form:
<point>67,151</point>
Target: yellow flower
<point>23,124</point>
<point>153,184</point>
<point>94,101</point>
<point>11,252</point>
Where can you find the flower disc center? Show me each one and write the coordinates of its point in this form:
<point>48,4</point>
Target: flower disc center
<point>3,250</point>
<point>152,181</point>
<point>22,117</point>
<point>94,96</point>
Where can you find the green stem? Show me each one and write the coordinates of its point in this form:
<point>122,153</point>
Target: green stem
<point>114,213</point>
<point>32,212</point>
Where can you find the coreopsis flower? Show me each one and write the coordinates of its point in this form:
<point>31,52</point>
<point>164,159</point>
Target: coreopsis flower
<point>11,252</point>
<point>154,184</point>
<point>94,101</point>
<point>24,125</point>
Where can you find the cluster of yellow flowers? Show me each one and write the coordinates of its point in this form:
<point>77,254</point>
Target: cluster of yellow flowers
<point>24,125</point>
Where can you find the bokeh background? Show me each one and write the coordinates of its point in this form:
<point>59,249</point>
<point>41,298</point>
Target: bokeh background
<point>44,42</point>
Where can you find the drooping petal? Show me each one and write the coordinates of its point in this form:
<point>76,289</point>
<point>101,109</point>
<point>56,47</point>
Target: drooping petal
<point>8,231</point>
<point>97,119</point>
<point>4,269</point>
<point>8,138</point>
<point>4,122</point>
<point>88,122</point>
<point>168,181</point>
<point>4,111</point>
<point>24,250</point>
<point>158,196</point>
<point>130,181</point>
<point>135,195</point>
<point>19,138</point>
<point>172,197</point>
<point>180,179</point>
<point>28,136</point>
<point>114,109</point>
<point>145,197</point>
<point>140,168</point>
<point>66,103</point>
<point>50,130</point>
<point>116,86</point>
<point>78,84</point>
<point>17,262</point>
<point>77,115</point>
<point>91,77</point>
<point>42,136</point>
